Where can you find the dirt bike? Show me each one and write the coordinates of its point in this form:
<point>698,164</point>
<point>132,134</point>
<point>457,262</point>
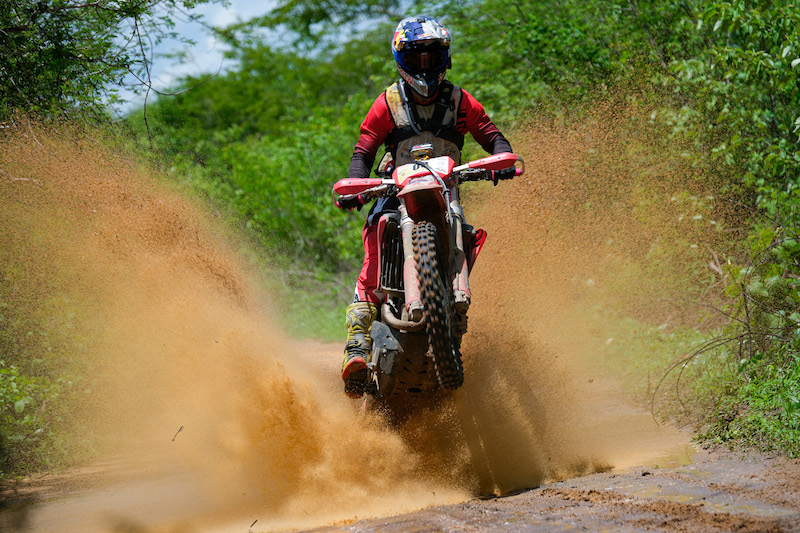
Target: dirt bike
<point>426,251</point>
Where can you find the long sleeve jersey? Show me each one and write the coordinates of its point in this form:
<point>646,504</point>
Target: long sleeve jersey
<point>379,125</point>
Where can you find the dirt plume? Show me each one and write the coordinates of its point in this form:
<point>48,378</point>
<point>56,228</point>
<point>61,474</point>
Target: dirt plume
<point>151,305</point>
<point>149,302</point>
<point>609,220</point>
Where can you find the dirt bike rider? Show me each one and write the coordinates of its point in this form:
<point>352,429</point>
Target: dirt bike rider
<point>421,107</point>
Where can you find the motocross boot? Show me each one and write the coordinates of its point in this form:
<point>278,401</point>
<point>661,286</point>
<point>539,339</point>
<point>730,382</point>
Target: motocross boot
<point>359,318</point>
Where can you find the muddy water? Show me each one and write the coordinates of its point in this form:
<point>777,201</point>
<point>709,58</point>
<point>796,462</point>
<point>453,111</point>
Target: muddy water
<point>176,334</point>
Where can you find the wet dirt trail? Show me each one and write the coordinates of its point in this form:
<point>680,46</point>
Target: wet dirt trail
<point>716,492</point>
<point>204,416</point>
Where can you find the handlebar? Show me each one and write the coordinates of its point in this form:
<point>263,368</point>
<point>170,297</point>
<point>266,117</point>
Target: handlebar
<point>385,187</point>
<point>350,201</point>
<point>490,175</point>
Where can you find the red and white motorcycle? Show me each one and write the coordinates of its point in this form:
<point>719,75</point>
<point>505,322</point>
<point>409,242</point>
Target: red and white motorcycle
<point>426,252</point>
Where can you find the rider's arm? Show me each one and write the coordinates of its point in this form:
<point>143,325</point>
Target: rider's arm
<point>475,121</point>
<point>374,130</point>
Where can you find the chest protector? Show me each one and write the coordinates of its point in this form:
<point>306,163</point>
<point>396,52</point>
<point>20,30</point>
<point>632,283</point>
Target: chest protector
<point>415,124</point>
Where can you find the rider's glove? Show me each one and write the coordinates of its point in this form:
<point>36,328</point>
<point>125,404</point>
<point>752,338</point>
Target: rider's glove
<point>504,174</point>
<point>356,202</point>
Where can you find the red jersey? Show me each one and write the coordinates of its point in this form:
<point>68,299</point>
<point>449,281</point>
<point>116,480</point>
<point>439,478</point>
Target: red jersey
<point>379,126</point>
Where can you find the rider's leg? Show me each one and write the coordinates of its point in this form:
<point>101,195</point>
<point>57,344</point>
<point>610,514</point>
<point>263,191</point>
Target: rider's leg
<point>364,310</point>
<point>359,318</point>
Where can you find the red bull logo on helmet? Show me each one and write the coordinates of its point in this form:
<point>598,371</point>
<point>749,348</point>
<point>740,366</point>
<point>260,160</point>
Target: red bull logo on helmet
<point>418,30</point>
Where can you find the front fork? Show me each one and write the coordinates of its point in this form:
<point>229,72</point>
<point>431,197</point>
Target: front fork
<point>410,279</point>
<point>459,266</point>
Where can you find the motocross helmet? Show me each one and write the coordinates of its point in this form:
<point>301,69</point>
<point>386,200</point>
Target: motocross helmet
<point>421,48</point>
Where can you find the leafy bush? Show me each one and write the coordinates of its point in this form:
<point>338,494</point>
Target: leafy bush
<point>28,420</point>
<point>764,409</point>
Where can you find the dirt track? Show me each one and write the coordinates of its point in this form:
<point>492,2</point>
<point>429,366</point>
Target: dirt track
<point>718,492</point>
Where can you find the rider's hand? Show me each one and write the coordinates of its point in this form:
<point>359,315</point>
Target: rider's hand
<point>504,174</point>
<point>356,202</point>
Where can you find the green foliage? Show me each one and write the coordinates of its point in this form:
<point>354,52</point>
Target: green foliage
<point>40,339</point>
<point>28,420</point>
<point>523,55</point>
<point>742,90</point>
<point>764,337</point>
<point>269,157</point>
<point>62,56</point>
<point>764,409</point>
<point>735,97</point>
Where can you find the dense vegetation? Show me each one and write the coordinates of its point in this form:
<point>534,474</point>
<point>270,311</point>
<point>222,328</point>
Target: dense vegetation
<point>265,141</point>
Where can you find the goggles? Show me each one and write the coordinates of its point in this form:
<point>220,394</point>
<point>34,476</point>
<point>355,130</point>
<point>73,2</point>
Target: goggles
<point>420,61</point>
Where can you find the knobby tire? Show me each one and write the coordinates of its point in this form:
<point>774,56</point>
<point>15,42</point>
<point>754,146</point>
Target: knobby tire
<point>436,298</point>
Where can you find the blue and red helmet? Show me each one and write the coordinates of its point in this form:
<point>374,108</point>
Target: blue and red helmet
<point>421,48</point>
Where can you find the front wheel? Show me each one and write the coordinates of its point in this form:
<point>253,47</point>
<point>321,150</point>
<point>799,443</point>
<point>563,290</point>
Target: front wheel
<point>436,296</point>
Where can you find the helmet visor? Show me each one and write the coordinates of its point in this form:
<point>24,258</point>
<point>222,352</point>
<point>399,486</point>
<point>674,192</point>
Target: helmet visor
<point>425,60</point>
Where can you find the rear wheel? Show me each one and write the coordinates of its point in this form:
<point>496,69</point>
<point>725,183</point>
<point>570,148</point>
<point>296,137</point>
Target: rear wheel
<point>436,296</point>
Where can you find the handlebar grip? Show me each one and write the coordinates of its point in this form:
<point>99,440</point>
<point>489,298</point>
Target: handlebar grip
<point>351,203</point>
<point>505,174</point>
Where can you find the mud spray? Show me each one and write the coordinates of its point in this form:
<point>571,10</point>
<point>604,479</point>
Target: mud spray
<point>175,334</point>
